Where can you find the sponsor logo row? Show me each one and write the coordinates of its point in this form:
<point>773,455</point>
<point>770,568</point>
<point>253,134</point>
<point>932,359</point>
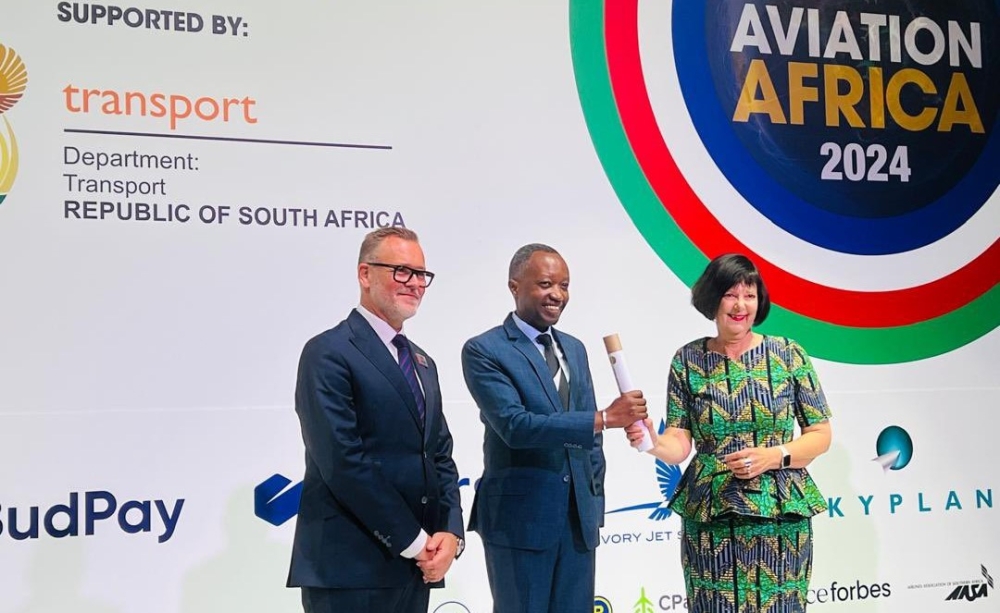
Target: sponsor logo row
<point>967,590</point>
<point>276,499</point>
<point>648,601</point>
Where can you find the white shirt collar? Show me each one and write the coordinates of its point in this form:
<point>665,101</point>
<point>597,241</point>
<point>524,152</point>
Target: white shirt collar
<point>529,330</point>
<point>382,328</point>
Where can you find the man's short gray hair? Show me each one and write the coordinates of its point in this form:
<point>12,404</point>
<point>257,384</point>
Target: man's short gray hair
<point>374,238</point>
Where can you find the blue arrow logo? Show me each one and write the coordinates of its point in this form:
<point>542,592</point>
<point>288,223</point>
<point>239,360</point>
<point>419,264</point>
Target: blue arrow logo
<point>668,476</point>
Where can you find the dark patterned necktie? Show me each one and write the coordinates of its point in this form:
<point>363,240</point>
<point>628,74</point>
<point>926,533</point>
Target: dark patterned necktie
<point>409,373</point>
<point>545,340</point>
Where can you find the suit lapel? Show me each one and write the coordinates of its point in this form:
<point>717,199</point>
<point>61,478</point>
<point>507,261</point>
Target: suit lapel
<point>371,346</point>
<point>530,351</point>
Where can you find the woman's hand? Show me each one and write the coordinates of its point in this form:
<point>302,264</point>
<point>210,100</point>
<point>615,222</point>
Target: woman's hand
<point>634,433</point>
<point>753,461</point>
<point>673,445</point>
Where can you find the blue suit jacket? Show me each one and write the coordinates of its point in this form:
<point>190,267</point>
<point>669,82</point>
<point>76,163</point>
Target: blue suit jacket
<point>534,451</point>
<point>374,474</point>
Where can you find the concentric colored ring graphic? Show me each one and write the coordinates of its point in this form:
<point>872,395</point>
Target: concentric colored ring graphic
<point>837,324</point>
<point>846,234</point>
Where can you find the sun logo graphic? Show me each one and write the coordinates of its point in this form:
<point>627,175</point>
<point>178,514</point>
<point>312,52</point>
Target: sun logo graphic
<point>13,81</point>
<point>849,148</point>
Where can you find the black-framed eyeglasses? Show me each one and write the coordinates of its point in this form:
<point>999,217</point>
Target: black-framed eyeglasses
<point>403,274</point>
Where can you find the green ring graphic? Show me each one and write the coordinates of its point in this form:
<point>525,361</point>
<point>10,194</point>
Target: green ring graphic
<point>824,340</point>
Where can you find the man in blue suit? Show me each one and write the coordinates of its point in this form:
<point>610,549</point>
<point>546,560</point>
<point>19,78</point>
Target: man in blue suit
<point>541,498</point>
<point>380,517</point>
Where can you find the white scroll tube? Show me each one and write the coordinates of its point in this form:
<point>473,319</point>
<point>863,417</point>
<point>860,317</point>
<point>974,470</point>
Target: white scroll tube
<point>614,347</point>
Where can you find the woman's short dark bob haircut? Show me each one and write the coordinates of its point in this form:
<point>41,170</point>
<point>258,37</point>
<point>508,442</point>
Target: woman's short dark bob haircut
<point>720,275</point>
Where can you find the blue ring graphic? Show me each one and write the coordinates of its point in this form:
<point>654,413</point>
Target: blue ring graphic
<point>844,234</point>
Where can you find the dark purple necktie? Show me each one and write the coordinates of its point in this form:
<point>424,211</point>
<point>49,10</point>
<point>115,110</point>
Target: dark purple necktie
<point>409,373</point>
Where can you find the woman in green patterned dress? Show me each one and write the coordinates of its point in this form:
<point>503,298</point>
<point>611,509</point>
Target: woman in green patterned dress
<point>746,498</point>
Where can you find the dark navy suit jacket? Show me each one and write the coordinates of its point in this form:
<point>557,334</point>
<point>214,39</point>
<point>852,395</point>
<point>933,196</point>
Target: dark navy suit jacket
<point>535,453</point>
<point>374,474</point>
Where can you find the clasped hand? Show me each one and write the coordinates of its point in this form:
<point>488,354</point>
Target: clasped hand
<point>437,556</point>
<point>752,461</point>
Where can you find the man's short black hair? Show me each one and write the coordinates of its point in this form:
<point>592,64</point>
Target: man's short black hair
<point>720,275</point>
<point>520,260</point>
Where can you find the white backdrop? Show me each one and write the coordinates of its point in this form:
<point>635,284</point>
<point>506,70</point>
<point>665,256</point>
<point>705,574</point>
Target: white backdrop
<point>155,360</point>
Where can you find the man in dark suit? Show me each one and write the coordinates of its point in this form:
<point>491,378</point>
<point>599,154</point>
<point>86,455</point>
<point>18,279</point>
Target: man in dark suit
<point>380,517</point>
<point>541,498</point>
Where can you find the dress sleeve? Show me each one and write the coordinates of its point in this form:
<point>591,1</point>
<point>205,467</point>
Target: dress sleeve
<point>678,395</point>
<point>810,401</point>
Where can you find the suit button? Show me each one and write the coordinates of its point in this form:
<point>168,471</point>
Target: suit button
<point>565,478</point>
<point>423,500</point>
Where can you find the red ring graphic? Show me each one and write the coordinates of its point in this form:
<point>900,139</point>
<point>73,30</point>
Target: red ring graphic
<point>863,309</point>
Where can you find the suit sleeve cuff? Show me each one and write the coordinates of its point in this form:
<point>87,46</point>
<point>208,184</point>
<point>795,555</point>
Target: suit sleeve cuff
<point>416,546</point>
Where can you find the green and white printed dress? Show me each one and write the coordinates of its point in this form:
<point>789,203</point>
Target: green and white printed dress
<point>747,545</point>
